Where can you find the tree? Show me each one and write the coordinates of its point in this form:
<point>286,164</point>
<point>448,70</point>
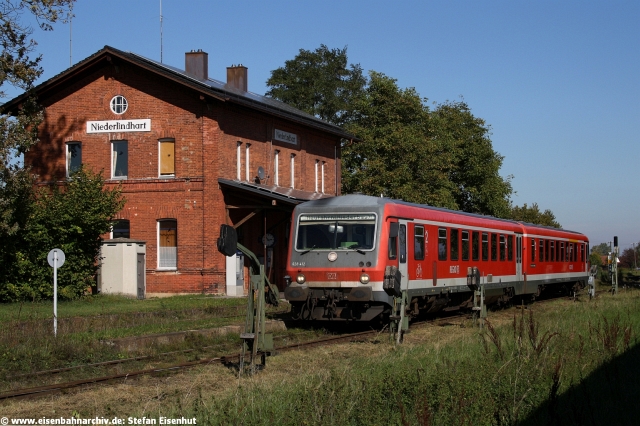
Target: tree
<point>319,83</point>
<point>402,149</point>
<point>533,215</point>
<point>393,154</point>
<point>19,132</point>
<point>602,248</point>
<point>71,218</point>
<point>628,258</point>
<point>474,165</point>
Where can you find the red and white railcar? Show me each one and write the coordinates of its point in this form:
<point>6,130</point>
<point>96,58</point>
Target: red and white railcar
<point>341,247</point>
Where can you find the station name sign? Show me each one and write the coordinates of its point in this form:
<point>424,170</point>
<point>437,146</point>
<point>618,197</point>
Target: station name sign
<point>287,137</point>
<point>107,126</point>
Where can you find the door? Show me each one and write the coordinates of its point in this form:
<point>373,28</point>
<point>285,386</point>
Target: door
<point>402,254</point>
<point>519,258</point>
<point>140,278</point>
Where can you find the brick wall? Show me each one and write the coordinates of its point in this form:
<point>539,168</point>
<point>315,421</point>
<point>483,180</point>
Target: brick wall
<point>206,133</point>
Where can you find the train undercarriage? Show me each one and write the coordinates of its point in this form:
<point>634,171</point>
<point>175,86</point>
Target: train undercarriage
<point>361,304</point>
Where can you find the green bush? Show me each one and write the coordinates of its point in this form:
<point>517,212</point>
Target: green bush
<point>70,217</point>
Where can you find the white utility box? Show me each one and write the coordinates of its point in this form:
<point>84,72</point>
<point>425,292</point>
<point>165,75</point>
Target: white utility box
<point>123,267</point>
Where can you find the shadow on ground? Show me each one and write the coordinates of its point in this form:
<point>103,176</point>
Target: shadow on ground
<point>609,396</point>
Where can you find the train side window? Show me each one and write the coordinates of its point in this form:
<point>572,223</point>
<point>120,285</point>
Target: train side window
<point>562,257</point>
<point>541,251</point>
<point>485,246</point>
<point>475,245</point>
<point>403,243</point>
<point>552,254</point>
<point>418,243</point>
<point>465,245</point>
<point>572,253</point>
<point>533,250</point>
<point>453,243</point>
<point>494,247</point>
<point>393,241</point>
<point>442,244</point>
<point>582,253</point>
<point>503,248</point>
<point>510,248</point>
<point>546,250</point>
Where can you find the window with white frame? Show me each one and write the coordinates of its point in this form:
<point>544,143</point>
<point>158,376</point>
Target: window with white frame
<point>119,104</point>
<point>167,244</point>
<point>121,229</point>
<point>276,168</point>
<point>167,157</point>
<point>247,150</point>
<point>322,175</point>
<point>293,171</point>
<point>316,173</point>
<point>119,159</point>
<point>74,157</point>
<point>239,160</point>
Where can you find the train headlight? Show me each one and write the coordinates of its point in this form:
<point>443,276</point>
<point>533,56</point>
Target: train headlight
<point>300,279</point>
<point>364,278</point>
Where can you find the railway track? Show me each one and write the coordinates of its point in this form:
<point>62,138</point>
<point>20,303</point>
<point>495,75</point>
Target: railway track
<point>223,360</point>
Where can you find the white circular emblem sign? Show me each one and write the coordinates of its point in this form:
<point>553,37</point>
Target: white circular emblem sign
<point>332,256</point>
<point>58,255</point>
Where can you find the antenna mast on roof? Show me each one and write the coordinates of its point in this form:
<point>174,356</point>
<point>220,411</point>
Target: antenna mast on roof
<point>160,31</point>
<point>70,37</point>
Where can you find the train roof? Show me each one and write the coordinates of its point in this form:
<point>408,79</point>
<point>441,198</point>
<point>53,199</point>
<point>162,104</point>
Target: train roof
<point>355,202</point>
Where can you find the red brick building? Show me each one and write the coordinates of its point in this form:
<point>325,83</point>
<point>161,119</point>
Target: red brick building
<point>189,153</point>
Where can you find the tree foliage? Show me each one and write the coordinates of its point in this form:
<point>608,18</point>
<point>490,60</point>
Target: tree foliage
<point>628,258</point>
<point>602,248</point>
<point>442,157</point>
<point>405,150</point>
<point>19,68</point>
<point>534,215</point>
<point>319,83</point>
<point>475,166</point>
<point>595,259</point>
<point>388,156</point>
<point>71,218</point>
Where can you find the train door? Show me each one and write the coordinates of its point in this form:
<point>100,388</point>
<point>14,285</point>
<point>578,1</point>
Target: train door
<point>519,258</point>
<point>402,253</point>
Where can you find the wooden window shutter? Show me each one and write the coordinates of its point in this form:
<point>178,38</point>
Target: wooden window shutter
<point>168,233</point>
<point>167,157</point>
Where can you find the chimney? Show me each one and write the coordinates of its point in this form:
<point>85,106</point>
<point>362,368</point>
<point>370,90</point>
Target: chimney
<point>237,77</point>
<point>196,64</point>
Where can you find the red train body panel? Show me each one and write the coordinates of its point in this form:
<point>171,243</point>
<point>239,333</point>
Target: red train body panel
<point>342,248</point>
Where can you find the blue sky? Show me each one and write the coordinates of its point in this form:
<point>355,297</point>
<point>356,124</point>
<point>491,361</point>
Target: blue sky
<point>558,81</point>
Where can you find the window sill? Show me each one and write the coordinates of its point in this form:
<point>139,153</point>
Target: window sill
<point>166,269</point>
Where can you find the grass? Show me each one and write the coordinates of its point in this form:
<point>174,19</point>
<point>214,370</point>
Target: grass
<point>558,363</point>
<point>547,367</point>
<point>110,305</point>
<point>27,343</point>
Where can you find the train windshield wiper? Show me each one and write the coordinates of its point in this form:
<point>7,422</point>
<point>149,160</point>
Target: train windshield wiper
<point>354,247</point>
<point>308,250</point>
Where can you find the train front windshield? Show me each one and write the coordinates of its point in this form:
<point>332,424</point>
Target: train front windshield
<point>336,232</point>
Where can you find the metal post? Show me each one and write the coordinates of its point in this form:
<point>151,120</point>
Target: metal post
<point>614,266</point>
<point>55,294</point>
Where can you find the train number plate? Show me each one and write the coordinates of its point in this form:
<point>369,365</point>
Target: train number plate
<point>332,275</point>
